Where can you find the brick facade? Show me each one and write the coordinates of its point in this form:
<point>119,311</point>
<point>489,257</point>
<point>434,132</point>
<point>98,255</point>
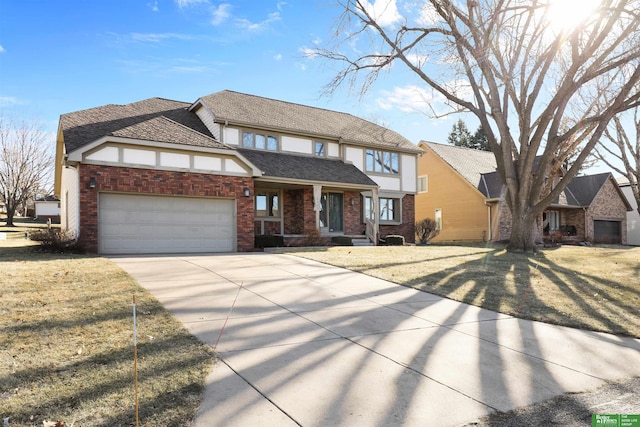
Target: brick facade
<point>308,213</point>
<point>408,226</point>
<point>300,217</point>
<point>156,182</point>
<point>293,209</point>
<point>353,215</point>
<point>608,206</point>
<point>575,218</point>
<point>297,204</point>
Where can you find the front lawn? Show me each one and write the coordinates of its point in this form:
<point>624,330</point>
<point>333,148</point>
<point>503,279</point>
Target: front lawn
<point>596,288</point>
<point>66,328</point>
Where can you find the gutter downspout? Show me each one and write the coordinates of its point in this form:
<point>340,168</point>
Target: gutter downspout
<point>490,236</point>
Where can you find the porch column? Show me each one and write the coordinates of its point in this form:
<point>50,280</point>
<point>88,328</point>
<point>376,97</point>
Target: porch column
<point>375,201</point>
<point>317,203</point>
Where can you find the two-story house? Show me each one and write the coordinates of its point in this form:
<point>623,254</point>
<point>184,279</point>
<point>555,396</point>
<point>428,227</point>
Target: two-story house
<point>161,176</point>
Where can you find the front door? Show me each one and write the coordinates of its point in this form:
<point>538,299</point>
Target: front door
<point>331,213</point>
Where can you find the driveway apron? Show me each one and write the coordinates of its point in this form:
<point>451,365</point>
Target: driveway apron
<point>304,343</point>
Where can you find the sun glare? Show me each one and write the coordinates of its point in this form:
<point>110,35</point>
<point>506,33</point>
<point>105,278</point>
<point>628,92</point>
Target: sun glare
<point>565,15</point>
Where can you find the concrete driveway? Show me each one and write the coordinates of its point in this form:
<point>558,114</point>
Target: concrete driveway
<point>314,345</point>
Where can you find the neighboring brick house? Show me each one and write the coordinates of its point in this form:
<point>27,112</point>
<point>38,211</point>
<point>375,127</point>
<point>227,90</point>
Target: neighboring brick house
<point>461,189</point>
<point>167,176</point>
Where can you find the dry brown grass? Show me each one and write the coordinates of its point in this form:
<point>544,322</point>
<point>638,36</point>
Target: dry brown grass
<point>67,346</point>
<point>16,237</point>
<point>596,288</point>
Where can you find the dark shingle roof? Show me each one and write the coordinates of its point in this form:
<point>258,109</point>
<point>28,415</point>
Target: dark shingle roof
<point>585,188</point>
<point>256,111</point>
<point>153,119</point>
<point>277,165</point>
<point>490,185</point>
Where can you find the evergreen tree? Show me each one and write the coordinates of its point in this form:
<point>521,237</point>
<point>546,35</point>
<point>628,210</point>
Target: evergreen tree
<point>460,135</point>
<point>479,140</point>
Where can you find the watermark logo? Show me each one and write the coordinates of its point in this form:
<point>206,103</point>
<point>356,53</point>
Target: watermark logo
<point>619,420</point>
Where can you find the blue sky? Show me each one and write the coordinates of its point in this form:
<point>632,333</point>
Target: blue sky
<point>63,56</point>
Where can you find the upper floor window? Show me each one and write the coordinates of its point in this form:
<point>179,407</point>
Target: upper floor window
<point>259,141</point>
<point>320,149</point>
<point>423,184</point>
<point>381,161</point>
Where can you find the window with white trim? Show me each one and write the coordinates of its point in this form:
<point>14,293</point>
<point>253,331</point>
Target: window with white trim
<point>423,184</point>
<point>320,149</point>
<point>259,141</point>
<point>390,210</point>
<point>438,219</point>
<point>554,220</point>
<point>267,203</point>
<point>381,162</point>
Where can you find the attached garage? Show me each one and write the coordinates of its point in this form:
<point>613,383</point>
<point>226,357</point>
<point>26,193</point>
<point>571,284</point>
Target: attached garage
<point>134,223</point>
<point>607,231</point>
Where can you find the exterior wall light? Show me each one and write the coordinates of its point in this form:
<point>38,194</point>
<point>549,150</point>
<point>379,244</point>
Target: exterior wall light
<point>92,182</point>
<point>247,193</point>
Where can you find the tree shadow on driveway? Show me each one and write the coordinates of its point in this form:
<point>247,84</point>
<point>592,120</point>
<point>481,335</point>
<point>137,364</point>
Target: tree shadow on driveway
<point>356,349</point>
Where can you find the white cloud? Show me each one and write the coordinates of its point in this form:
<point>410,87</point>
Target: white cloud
<point>221,13</point>
<point>1,49</point>
<point>164,66</point>
<point>428,15</point>
<point>158,37</point>
<point>188,3</point>
<point>277,57</point>
<point>417,60</point>
<point>187,69</point>
<point>280,4</point>
<point>385,12</point>
<point>409,99</point>
<point>153,5</point>
<point>308,52</point>
<point>460,88</point>
<point>258,26</point>
<point>6,101</point>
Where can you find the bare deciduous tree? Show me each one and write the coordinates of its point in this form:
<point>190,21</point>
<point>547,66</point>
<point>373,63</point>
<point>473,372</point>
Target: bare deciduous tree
<point>622,143</point>
<point>522,67</point>
<point>25,163</point>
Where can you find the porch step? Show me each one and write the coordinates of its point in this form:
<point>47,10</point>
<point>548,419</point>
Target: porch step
<point>361,242</point>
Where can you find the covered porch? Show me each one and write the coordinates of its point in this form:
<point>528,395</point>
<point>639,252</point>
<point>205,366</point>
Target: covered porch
<point>562,224</point>
<point>313,214</point>
<point>309,200</point>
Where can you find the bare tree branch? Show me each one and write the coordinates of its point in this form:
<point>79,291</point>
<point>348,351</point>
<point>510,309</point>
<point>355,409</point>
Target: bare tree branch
<point>504,61</point>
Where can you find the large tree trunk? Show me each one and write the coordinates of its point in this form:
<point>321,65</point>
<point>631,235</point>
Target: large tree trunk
<point>523,233</point>
<point>11,212</point>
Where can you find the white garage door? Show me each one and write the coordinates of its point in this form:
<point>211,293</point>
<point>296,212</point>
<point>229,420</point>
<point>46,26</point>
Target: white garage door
<point>159,224</point>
